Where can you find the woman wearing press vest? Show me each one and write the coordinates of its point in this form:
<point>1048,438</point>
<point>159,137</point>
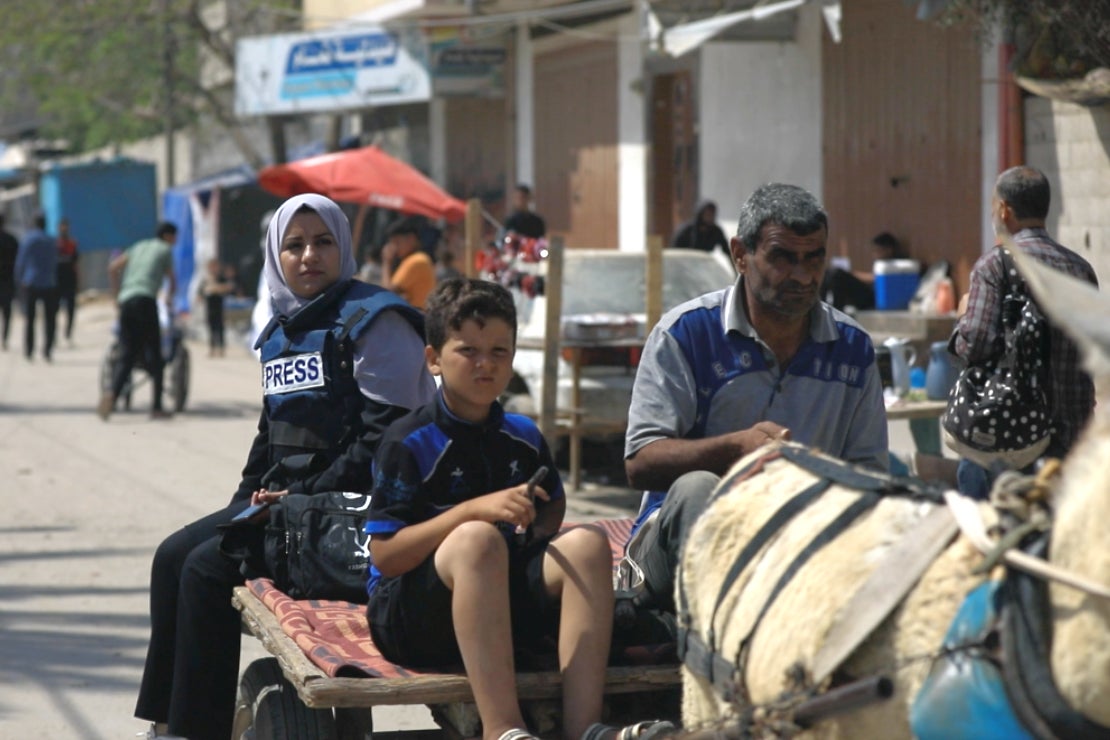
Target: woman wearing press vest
<point>341,359</point>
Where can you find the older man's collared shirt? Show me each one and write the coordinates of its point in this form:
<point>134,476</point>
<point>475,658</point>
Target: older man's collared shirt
<point>706,372</point>
<point>979,335</point>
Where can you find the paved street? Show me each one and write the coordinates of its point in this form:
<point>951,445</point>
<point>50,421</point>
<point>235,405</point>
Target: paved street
<point>85,504</point>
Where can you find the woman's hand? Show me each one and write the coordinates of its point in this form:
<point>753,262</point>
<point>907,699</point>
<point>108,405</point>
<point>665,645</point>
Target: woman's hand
<point>262,496</point>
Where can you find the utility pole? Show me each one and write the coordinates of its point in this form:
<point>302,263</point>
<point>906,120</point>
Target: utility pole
<point>167,87</point>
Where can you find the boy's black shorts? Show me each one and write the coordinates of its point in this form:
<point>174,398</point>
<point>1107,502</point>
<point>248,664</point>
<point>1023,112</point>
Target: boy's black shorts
<point>410,615</point>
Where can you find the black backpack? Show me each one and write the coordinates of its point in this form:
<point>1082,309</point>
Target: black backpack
<point>998,410</point>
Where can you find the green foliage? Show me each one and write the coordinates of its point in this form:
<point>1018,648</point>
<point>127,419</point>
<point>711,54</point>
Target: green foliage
<point>106,71</point>
<point>1054,38</point>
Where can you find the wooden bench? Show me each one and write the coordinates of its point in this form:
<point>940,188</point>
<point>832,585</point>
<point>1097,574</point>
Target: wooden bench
<point>326,675</point>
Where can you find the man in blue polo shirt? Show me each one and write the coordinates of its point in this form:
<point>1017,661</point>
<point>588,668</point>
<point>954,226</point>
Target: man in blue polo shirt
<point>35,273</point>
<point>729,371</point>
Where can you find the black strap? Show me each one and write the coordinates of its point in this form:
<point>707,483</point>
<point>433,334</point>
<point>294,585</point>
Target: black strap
<point>726,484</point>
<point>831,531</point>
<point>701,657</point>
<point>351,323</point>
<point>861,479</point>
<point>708,664</point>
<point>770,528</point>
<point>1014,281</point>
<point>1027,674</point>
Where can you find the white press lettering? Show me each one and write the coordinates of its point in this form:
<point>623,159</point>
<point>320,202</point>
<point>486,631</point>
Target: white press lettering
<point>294,373</point>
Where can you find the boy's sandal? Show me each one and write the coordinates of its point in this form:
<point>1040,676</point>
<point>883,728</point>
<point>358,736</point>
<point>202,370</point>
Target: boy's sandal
<point>646,730</point>
<point>516,734</point>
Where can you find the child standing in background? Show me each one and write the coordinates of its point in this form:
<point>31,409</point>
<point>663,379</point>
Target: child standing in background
<point>214,286</point>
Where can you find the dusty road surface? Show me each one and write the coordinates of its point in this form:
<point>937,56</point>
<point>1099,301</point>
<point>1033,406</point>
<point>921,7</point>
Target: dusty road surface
<point>86,502</point>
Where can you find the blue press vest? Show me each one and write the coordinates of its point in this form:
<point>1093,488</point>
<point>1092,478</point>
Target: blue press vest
<point>313,403</point>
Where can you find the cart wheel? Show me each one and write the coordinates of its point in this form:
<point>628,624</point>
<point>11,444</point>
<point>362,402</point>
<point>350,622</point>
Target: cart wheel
<point>268,708</point>
<point>108,373</point>
<point>108,368</point>
<point>179,378</point>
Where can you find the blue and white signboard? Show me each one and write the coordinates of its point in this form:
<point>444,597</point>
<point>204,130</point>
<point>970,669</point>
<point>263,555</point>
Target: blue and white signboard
<point>330,70</point>
<point>465,66</point>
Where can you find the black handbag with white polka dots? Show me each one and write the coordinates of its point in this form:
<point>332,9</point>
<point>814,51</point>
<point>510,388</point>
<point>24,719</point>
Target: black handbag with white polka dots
<point>999,410</point>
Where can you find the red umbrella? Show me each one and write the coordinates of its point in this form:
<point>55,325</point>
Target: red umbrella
<point>367,176</point>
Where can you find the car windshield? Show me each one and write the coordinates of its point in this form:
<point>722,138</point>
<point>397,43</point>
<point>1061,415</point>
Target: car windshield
<point>615,283</point>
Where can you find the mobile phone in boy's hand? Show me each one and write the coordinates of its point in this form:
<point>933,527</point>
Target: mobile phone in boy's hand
<point>521,535</point>
<point>250,512</point>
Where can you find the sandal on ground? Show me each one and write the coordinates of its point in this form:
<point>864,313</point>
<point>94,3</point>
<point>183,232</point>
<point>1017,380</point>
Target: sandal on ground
<point>516,734</point>
<point>646,730</point>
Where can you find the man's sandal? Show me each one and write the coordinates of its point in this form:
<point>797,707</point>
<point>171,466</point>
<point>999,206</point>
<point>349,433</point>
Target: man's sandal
<point>516,734</point>
<point>647,730</point>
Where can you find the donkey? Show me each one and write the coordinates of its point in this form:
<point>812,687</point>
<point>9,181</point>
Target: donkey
<point>786,654</point>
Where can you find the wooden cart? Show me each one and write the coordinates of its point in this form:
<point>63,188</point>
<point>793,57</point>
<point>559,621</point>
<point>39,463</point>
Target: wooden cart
<point>326,676</point>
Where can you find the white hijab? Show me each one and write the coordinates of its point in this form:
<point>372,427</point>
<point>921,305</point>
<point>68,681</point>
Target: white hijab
<point>285,302</point>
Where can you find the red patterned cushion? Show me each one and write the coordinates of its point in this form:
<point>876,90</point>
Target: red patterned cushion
<point>335,636</point>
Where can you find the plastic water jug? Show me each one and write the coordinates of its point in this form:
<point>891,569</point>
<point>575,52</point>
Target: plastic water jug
<point>941,373</point>
<point>895,283</point>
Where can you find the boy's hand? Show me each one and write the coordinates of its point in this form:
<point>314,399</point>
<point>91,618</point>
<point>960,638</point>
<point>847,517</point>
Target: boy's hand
<point>512,505</point>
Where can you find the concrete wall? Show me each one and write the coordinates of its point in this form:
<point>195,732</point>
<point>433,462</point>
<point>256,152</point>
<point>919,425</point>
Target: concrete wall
<point>760,116</point>
<point>1071,144</point>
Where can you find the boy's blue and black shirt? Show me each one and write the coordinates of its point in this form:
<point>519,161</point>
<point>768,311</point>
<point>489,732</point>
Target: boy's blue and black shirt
<point>430,460</point>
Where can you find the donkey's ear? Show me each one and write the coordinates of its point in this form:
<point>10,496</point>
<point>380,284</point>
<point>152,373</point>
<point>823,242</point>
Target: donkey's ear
<point>1077,307</point>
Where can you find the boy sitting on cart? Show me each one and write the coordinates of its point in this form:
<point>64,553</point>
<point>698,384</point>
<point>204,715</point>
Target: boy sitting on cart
<point>468,561</point>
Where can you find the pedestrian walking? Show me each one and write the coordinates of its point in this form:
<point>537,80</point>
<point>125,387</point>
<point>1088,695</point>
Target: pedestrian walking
<point>36,267</point>
<point>137,276</point>
<point>9,248</point>
<point>66,276</point>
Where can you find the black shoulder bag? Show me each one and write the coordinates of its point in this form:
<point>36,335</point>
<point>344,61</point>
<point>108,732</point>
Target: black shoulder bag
<point>998,410</point>
<point>312,545</point>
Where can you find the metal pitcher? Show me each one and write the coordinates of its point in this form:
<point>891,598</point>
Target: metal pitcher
<point>902,357</point>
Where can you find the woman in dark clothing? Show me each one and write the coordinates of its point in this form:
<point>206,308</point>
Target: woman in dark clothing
<point>364,351</point>
<point>701,232</point>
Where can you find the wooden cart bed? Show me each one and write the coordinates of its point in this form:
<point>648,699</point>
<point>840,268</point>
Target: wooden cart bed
<point>325,651</point>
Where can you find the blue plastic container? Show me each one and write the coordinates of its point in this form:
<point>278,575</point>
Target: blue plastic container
<point>895,283</point>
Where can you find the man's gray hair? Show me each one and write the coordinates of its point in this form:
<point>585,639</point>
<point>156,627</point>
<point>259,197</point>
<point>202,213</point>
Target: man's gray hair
<point>783,205</point>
